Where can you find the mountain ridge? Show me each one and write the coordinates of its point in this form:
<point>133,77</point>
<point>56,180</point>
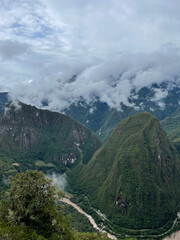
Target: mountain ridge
<point>44,140</point>
<point>161,100</point>
<point>132,174</point>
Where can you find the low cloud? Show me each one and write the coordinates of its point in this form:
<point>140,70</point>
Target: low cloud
<point>14,105</point>
<point>59,52</point>
<point>59,180</point>
<point>159,94</point>
<point>111,81</point>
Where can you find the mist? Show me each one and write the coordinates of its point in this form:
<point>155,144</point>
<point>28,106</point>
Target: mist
<point>112,81</point>
<point>58,52</point>
<point>59,180</point>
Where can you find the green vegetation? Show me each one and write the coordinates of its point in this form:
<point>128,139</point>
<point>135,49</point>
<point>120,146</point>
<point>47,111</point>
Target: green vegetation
<point>172,127</point>
<point>134,177</point>
<point>43,140</point>
<point>30,207</point>
<point>29,211</point>
<point>90,236</point>
<point>102,119</point>
<point>6,170</point>
<point>40,163</point>
<point>78,220</point>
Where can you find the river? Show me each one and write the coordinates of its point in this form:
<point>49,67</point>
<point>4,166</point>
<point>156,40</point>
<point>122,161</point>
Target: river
<point>174,236</point>
<point>95,226</point>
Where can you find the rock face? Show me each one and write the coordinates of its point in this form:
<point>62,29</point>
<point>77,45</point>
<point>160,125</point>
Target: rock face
<point>28,134</point>
<point>3,101</point>
<point>134,177</point>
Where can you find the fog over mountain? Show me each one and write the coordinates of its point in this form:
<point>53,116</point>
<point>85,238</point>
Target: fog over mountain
<point>58,52</point>
<point>112,81</point>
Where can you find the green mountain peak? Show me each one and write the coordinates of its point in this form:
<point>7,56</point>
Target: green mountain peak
<point>134,177</point>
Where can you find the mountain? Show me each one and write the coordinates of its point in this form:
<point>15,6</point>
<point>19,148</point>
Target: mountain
<point>39,139</point>
<point>161,100</point>
<point>102,119</point>
<point>3,101</point>
<point>134,177</point>
<point>99,117</point>
<point>172,126</point>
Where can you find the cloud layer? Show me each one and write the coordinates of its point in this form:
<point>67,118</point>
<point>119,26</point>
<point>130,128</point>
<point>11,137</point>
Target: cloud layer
<point>112,81</point>
<point>60,51</point>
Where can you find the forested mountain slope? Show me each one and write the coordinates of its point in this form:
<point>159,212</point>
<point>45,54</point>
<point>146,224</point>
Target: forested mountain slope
<point>134,177</point>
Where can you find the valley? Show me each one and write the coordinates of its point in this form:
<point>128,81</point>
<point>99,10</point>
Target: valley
<point>142,232</point>
<point>89,120</point>
<point>67,201</point>
<point>132,179</point>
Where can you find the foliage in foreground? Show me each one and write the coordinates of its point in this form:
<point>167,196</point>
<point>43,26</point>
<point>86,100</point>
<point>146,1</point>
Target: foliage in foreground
<point>25,233</point>
<point>31,204</point>
<point>29,212</point>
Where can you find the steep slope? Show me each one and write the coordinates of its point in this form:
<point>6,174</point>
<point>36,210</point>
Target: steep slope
<point>134,177</point>
<point>6,169</point>
<point>161,100</point>
<point>172,126</point>
<point>3,101</point>
<point>99,117</point>
<point>44,140</point>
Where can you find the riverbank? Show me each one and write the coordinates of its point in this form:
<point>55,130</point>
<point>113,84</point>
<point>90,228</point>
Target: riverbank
<point>173,236</point>
<point>67,201</point>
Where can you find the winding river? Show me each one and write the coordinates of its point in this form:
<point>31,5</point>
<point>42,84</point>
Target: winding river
<point>174,236</point>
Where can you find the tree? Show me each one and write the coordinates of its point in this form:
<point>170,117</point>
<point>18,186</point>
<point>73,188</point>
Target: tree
<point>31,201</point>
<point>30,212</point>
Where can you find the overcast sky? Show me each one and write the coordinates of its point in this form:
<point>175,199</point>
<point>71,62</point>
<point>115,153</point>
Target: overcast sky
<point>112,46</point>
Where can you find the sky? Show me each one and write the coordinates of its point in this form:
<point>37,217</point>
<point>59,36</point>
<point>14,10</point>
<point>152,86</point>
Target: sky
<point>61,50</point>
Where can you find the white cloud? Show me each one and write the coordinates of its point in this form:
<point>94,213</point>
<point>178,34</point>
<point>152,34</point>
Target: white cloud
<point>111,81</point>
<point>59,180</point>
<point>159,94</point>
<point>44,44</point>
<point>15,105</point>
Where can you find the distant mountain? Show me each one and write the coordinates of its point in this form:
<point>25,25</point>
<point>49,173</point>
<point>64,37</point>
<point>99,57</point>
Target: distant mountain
<point>102,119</point>
<point>171,125</point>
<point>134,177</point>
<point>160,100</point>
<point>43,140</point>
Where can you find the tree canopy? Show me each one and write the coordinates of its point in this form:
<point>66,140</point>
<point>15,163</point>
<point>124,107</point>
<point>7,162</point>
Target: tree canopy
<point>31,201</point>
<point>30,211</point>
